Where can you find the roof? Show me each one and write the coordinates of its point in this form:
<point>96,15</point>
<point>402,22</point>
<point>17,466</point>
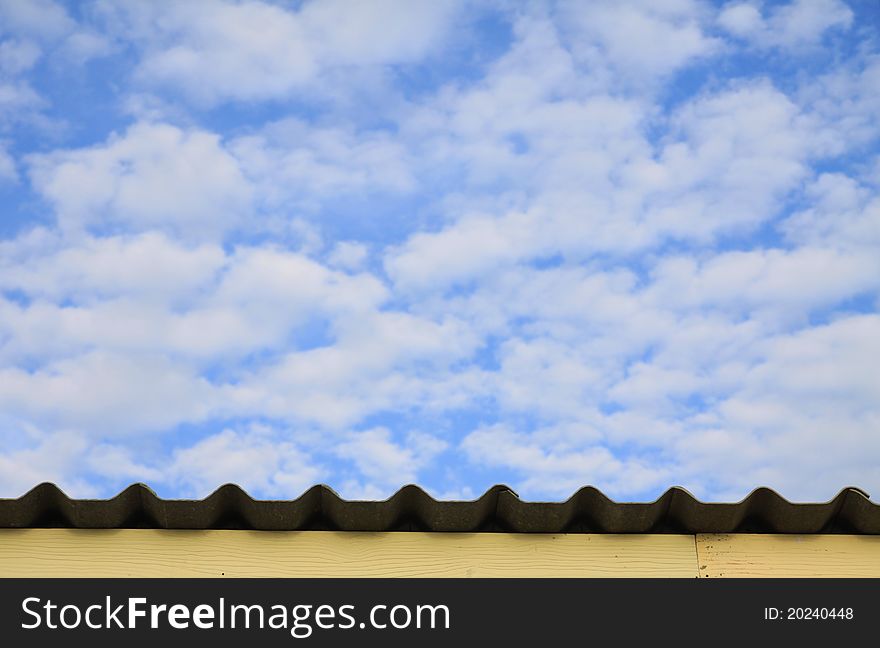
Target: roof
<point>412,509</point>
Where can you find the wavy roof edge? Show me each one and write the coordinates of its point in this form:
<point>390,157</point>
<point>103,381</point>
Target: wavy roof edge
<point>588,510</point>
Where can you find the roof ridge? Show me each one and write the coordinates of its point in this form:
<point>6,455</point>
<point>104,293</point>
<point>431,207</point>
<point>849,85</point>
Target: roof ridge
<point>411,507</point>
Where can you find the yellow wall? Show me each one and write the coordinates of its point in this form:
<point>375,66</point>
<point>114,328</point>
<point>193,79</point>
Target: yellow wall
<point>771,556</point>
<point>158,553</point>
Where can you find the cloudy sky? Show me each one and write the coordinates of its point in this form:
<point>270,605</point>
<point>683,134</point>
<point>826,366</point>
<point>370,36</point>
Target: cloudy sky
<point>546,244</point>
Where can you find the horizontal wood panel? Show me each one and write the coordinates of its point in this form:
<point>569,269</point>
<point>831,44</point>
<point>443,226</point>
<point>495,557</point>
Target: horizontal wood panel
<point>788,556</point>
<point>161,553</point>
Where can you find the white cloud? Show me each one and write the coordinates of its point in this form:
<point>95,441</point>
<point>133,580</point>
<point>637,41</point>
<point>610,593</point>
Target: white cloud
<point>384,32</point>
<point>800,416</point>
<point>668,355</point>
<point>824,363</point>
<point>737,154</point>
<point>461,252</point>
<point>534,120</point>
<point>545,378</point>
<point>190,184</point>
<point>669,35</point>
<point>845,104</point>
<point>116,462</point>
<point>46,23</point>
<point>555,166</point>
<point>842,214</point>
<point>149,267</point>
<point>791,283</point>
<point>217,51</point>
<point>285,336</point>
<point>384,462</point>
<point>40,18</point>
<point>17,56</point>
<point>380,359</point>
<point>83,46</point>
<point>258,460</point>
<point>149,294</point>
<point>559,472</point>
<point>30,32</point>
<point>54,458</point>
<point>154,176</point>
<point>292,163</point>
<point>107,393</point>
<point>741,19</point>
<point>730,159</point>
<point>16,99</point>
<point>797,24</point>
<point>348,255</point>
<point>803,420</point>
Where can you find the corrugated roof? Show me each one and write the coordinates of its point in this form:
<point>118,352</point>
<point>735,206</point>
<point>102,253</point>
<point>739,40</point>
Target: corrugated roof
<point>412,509</point>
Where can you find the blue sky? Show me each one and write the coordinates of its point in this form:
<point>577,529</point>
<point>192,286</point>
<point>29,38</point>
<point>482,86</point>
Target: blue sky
<point>546,244</point>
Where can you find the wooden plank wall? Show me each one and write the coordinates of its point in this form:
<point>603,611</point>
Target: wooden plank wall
<point>36,553</point>
<point>774,556</point>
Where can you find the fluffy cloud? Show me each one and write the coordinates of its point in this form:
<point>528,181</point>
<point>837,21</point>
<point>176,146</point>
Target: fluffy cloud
<point>284,335</point>
<point>843,100</point>
<point>348,255</point>
<point>17,56</point>
<point>808,407</point>
<point>670,35</point>
<point>793,283</point>
<point>292,163</point>
<point>17,96</point>
<point>30,34</point>
<point>842,213</point>
<point>212,51</point>
<point>383,462</point>
<point>563,468</point>
<point>147,266</point>
<point>381,361</point>
<point>154,176</point>
<point>256,460</point>
<point>106,393</point>
<point>727,162</point>
<point>797,24</point>
<point>803,402</point>
<point>40,18</point>
<point>54,458</point>
<point>200,305</point>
